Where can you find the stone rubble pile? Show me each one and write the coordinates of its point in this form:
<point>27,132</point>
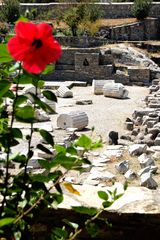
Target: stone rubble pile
<point>144,128</point>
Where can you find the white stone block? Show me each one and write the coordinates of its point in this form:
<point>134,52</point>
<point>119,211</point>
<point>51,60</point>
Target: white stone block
<point>130,175</point>
<point>64,92</point>
<point>98,85</point>
<point>75,119</point>
<point>115,90</point>
<point>41,116</point>
<point>145,160</point>
<point>122,167</point>
<point>146,180</point>
<point>137,149</point>
<point>152,169</point>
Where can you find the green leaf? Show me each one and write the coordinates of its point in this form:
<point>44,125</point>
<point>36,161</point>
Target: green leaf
<point>71,150</point>
<point>25,114</point>
<point>41,104</point>
<point>22,19</point>
<point>125,186</point>
<point>44,149</point>
<point>20,99</point>
<point>25,78</point>
<point>92,229</point>
<point>6,221</point>
<point>118,196</point>
<point>58,197</point>
<point>66,161</point>
<point>40,83</point>
<point>49,69</point>
<point>4,54</point>
<point>49,95</point>
<point>4,87</point>
<point>60,149</point>
<point>47,136</point>
<point>44,164</point>
<point>107,204</point>
<point>40,178</point>
<point>9,94</point>
<point>103,195</point>
<point>60,234</point>
<point>84,141</point>
<point>19,158</point>
<point>71,224</point>
<point>84,210</point>
<point>97,144</point>
<point>16,132</point>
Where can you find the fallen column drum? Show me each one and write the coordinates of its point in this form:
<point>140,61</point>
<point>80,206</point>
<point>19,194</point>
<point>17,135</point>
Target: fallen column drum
<point>98,86</point>
<point>75,119</point>
<point>115,90</point>
<point>64,92</point>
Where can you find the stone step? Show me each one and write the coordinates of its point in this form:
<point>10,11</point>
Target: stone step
<point>64,67</point>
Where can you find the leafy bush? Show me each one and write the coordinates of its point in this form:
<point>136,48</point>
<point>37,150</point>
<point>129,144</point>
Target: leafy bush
<point>80,13</point>
<point>89,28</point>
<point>141,8</point>
<point>4,28</point>
<point>10,10</point>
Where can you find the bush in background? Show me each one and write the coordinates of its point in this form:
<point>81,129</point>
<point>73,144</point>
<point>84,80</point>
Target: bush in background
<point>10,11</point>
<point>141,8</point>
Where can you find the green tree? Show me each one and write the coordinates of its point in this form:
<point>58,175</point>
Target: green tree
<point>141,8</point>
<point>80,12</point>
<point>10,10</point>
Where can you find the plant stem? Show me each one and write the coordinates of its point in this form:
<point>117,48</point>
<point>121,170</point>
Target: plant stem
<point>9,142</point>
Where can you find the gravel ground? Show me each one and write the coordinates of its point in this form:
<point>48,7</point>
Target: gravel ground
<point>105,114</point>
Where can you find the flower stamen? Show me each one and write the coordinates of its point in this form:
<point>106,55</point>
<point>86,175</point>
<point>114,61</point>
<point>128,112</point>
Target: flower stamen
<point>37,43</point>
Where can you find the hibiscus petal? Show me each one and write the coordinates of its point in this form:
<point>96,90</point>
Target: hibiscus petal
<point>34,67</point>
<point>44,30</point>
<point>17,49</point>
<point>26,30</point>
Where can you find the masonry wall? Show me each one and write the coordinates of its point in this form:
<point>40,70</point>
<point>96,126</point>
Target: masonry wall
<point>141,31</point>
<point>110,10</point>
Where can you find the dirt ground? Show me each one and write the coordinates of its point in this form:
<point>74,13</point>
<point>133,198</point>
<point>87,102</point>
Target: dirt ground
<point>105,114</point>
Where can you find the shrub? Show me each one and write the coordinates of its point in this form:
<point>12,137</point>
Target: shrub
<point>141,8</point>
<point>10,10</point>
<point>89,27</point>
<point>79,14</point>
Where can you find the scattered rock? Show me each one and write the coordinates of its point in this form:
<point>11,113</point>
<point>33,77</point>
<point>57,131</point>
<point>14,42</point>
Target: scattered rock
<point>145,160</point>
<point>137,149</point>
<point>113,137</point>
<point>84,102</point>
<point>146,180</point>
<point>130,175</point>
<point>122,167</point>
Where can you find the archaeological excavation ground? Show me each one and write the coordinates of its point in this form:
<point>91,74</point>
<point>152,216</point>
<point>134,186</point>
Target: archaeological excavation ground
<point>79,121</point>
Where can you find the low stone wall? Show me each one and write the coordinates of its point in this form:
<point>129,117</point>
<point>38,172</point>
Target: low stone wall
<point>110,10</point>
<point>124,65</point>
<point>145,30</point>
<point>82,42</point>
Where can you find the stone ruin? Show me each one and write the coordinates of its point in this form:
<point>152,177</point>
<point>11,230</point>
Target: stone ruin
<point>123,63</point>
<point>144,128</point>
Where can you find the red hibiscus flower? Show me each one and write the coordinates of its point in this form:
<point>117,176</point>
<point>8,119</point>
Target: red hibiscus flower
<point>34,45</point>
